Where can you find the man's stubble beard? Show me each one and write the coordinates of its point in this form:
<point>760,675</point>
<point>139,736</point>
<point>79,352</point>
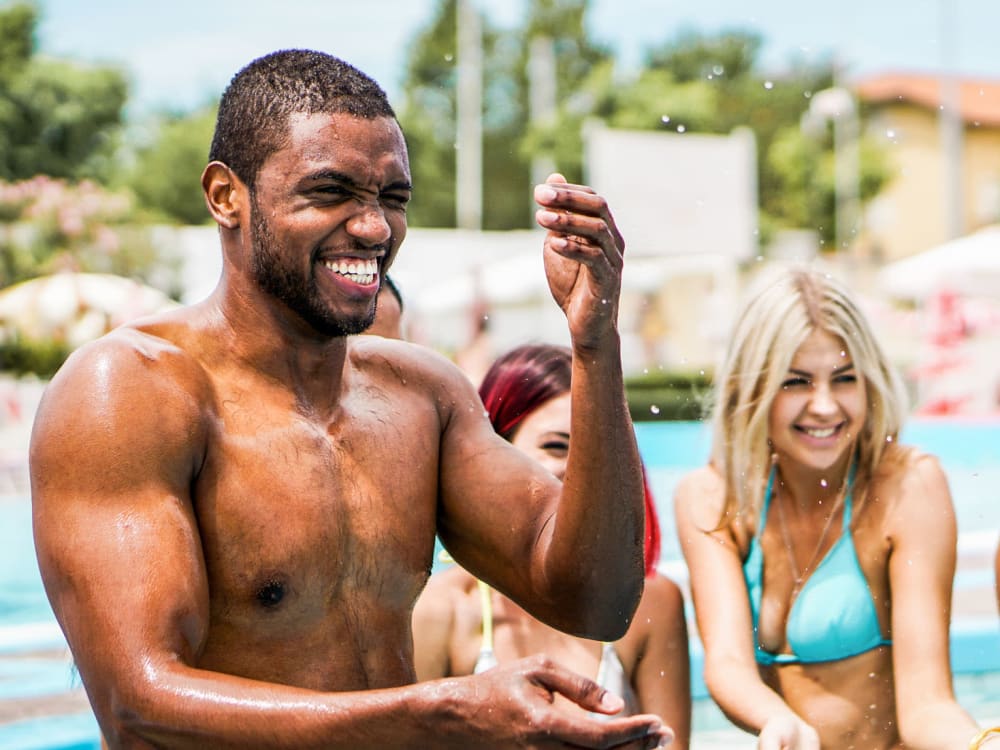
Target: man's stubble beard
<point>287,284</point>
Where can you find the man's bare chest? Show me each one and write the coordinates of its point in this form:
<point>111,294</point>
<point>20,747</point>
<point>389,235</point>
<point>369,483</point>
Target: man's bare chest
<point>298,517</point>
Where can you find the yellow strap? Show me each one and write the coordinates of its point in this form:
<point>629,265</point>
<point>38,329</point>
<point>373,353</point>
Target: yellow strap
<point>977,741</point>
<point>486,600</point>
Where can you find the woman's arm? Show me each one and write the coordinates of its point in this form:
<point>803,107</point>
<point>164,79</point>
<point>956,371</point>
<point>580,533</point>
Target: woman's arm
<point>662,676</point>
<point>433,625</point>
<point>722,610</point>
<point>923,533</point>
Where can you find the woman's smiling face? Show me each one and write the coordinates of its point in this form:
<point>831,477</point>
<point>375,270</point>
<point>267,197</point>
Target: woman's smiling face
<point>821,406</point>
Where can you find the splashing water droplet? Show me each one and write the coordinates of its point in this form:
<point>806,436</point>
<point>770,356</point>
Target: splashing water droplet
<point>665,119</point>
<point>654,409</point>
<point>769,85</point>
<point>681,128</point>
<point>718,70</point>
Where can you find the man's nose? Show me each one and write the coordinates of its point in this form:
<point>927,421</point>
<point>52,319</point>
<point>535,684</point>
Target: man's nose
<point>368,224</point>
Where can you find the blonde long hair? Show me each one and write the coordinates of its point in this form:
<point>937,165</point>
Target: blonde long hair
<point>768,332</point>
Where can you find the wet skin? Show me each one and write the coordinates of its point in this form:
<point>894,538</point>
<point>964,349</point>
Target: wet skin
<point>259,497</point>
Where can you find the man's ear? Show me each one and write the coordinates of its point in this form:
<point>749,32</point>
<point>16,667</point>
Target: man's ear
<point>225,194</point>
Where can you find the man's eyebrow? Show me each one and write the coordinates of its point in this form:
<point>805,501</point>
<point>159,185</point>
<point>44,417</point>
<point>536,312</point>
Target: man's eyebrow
<point>333,175</point>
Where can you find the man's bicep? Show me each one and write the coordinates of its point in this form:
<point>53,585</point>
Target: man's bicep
<point>495,504</point>
<point>115,534</point>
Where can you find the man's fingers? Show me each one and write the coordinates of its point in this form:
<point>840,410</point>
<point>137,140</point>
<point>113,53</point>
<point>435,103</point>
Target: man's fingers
<point>576,209</point>
<point>642,731</point>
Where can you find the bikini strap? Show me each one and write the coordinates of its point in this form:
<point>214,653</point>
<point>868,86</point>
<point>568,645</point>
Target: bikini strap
<point>845,523</point>
<point>486,602</point>
<point>767,501</point>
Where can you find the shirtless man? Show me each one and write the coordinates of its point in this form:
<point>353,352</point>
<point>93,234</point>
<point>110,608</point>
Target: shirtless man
<point>235,503</point>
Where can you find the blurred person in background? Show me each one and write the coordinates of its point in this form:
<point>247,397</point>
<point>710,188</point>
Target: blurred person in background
<point>388,311</point>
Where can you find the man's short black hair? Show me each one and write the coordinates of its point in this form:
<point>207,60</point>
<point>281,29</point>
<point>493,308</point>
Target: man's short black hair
<point>255,107</point>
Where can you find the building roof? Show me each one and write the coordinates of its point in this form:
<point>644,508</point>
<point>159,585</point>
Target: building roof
<point>979,99</point>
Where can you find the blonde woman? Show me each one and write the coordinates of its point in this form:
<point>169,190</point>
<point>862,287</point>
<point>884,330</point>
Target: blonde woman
<point>821,550</point>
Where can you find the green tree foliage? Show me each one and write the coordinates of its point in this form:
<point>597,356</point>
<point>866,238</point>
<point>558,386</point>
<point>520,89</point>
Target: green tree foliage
<point>428,114</point>
<point>56,118</point>
<point>49,225</point>
<point>696,83</point>
<point>166,171</point>
<point>691,83</point>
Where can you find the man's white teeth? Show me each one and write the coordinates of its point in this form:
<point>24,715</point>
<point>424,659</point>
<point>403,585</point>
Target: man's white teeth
<point>823,433</point>
<point>358,271</point>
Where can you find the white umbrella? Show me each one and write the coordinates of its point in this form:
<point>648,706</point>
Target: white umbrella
<point>968,266</point>
<point>76,307</point>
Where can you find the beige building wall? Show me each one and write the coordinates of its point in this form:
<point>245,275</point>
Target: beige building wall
<point>910,215</point>
<point>981,184</point>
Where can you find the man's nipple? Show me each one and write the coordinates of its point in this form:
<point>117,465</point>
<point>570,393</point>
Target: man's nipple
<point>270,594</point>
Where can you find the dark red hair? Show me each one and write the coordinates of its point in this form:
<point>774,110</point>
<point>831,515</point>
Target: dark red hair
<point>528,376</point>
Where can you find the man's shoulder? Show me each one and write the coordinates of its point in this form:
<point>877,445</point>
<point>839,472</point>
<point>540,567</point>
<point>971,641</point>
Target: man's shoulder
<point>414,363</point>
<point>146,360</point>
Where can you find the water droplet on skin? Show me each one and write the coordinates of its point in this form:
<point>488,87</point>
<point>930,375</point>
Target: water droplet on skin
<point>654,409</point>
<point>822,483</point>
<point>871,675</point>
<point>888,438</point>
<point>604,302</point>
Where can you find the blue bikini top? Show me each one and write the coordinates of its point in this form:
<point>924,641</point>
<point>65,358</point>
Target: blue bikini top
<point>833,616</point>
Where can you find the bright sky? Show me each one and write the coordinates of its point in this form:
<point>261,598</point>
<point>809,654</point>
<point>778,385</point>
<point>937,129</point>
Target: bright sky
<point>182,53</point>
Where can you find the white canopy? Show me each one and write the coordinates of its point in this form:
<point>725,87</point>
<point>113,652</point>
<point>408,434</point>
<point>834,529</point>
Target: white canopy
<point>968,266</point>
<point>78,306</point>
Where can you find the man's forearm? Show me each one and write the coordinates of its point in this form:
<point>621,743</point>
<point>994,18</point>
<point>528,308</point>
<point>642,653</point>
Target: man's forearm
<point>190,708</point>
<point>598,537</point>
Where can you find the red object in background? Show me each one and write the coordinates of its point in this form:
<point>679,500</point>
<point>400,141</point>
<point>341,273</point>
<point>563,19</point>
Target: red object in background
<point>948,324</point>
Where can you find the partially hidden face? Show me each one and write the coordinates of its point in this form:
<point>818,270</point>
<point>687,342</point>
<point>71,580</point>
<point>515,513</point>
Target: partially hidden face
<point>821,406</point>
<point>328,213</point>
<point>544,434</point>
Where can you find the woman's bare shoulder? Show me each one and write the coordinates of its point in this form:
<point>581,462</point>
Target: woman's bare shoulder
<point>700,497</point>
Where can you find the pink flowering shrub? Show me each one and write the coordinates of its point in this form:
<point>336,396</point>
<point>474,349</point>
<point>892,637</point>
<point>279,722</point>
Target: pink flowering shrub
<point>49,225</point>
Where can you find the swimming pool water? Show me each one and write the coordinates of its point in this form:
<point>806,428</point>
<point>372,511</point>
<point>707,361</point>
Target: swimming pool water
<point>968,451</point>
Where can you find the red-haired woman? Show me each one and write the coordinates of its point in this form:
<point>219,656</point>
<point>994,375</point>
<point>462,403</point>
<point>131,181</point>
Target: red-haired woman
<point>461,626</point>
